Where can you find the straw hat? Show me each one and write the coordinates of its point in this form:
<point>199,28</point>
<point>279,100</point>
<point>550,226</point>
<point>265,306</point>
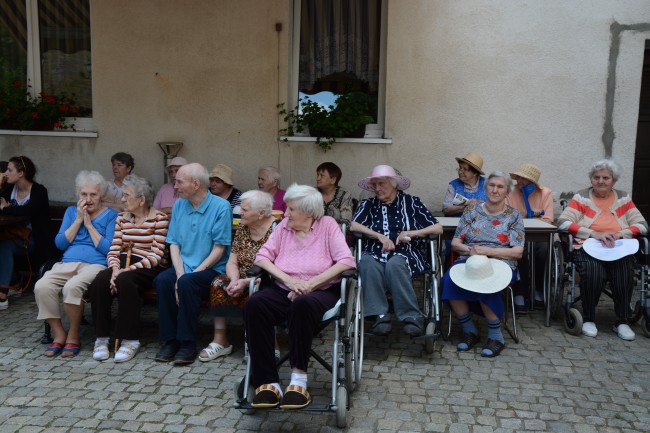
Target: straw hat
<point>223,172</point>
<point>177,160</point>
<point>385,171</point>
<point>480,274</point>
<point>530,172</point>
<point>473,160</point>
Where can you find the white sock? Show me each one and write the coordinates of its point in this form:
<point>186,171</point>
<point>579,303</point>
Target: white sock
<point>135,343</point>
<point>299,379</point>
<point>277,386</point>
<point>519,300</point>
<point>102,340</point>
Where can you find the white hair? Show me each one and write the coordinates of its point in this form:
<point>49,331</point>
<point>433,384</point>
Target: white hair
<point>259,200</point>
<point>196,171</point>
<point>502,175</point>
<point>307,198</point>
<point>141,187</point>
<point>606,164</point>
<point>274,173</point>
<point>88,177</point>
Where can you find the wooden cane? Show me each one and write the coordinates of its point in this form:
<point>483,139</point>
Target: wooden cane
<point>128,248</point>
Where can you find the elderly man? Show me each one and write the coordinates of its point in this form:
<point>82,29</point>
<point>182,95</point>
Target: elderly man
<point>268,180</point>
<point>221,184</point>
<point>199,242</point>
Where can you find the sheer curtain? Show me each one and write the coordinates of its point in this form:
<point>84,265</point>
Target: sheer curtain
<point>339,38</point>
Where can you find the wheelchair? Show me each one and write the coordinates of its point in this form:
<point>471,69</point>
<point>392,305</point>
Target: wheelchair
<point>346,362</point>
<point>429,279</point>
<point>566,295</point>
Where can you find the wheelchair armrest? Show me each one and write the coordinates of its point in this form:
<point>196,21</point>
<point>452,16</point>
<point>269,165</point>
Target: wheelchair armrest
<point>351,273</point>
<point>643,245</point>
<point>358,235</point>
<point>44,268</point>
<point>254,272</point>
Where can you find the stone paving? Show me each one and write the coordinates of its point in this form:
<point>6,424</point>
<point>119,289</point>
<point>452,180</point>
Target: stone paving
<point>549,382</point>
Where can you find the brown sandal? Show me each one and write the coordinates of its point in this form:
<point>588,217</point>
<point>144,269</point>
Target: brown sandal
<point>266,396</point>
<point>295,397</point>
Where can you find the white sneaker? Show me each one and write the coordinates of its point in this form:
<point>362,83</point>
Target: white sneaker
<point>589,329</point>
<point>100,352</point>
<point>4,304</point>
<point>624,332</point>
<point>126,352</point>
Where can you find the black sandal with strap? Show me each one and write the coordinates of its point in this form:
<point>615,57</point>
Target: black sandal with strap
<point>470,339</point>
<point>494,346</point>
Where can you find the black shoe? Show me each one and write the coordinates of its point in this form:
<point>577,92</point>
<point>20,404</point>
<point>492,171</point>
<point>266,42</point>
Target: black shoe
<point>185,355</point>
<point>382,326</point>
<point>168,351</point>
<point>413,327</point>
<point>521,309</point>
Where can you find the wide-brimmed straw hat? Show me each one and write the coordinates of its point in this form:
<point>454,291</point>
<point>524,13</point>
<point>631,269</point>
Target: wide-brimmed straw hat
<point>473,160</point>
<point>177,160</point>
<point>530,172</point>
<point>481,275</point>
<point>223,172</point>
<point>385,171</point>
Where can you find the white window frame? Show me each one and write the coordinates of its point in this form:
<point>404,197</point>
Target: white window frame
<point>373,131</point>
<point>34,67</point>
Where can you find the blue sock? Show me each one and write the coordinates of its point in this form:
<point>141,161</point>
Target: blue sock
<point>467,324</point>
<point>494,332</point>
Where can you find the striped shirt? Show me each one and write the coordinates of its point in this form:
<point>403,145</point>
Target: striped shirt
<point>147,239</point>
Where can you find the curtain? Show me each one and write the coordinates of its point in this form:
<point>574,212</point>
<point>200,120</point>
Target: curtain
<point>13,40</point>
<point>339,37</point>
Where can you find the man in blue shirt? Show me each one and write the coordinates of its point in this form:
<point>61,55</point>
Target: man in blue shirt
<point>199,244</point>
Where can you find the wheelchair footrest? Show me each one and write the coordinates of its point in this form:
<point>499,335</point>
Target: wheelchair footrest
<point>313,407</point>
<point>433,336</point>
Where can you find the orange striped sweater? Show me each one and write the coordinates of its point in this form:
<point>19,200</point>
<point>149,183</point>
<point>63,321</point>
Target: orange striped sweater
<point>148,239</point>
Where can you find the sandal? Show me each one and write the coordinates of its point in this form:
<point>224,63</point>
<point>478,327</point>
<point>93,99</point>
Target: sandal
<point>266,396</point>
<point>126,352</point>
<point>296,397</point>
<point>100,351</point>
<point>214,351</point>
<point>467,342</point>
<point>54,349</point>
<point>70,350</point>
<point>492,348</point>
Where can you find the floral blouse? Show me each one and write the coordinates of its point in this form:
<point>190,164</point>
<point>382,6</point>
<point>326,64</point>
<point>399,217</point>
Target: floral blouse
<point>341,207</point>
<point>505,230</point>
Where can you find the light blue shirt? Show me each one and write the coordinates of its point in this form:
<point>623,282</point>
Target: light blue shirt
<point>82,249</point>
<point>196,231</point>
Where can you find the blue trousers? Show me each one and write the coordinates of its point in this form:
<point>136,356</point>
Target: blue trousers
<point>181,322</point>
<point>8,249</point>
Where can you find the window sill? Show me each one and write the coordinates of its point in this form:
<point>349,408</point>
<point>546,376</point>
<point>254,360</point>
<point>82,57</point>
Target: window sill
<point>62,133</point>
<point>368,140</point>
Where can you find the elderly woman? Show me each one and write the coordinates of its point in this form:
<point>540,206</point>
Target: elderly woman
<point>221,184</point>
<point>532,200</point>
<point>393,224</point>
<point>228,296</point>
<point>337,201</point>
<point>467,188</point>
<point>491,229</point>
<point>21,196</point>
<point>167,195</point>
<point>85,237</point>
<point>122,164</point>
<point>133,262</point>
<point>268,180</point>
<point>605,214</point>
<point>305,254</point>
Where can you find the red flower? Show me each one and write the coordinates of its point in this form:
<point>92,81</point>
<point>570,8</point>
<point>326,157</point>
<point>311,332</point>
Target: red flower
<point>43,94</point>
<point>496,223</point>
<point>34,115</point>
<point>503,238</point>
<point>463,236</point>
<point>57,125</point>
<point>50,99</point>
<point>74,109</point>
<point>63,108</point>
<point>8,110</point>
<point>18,83</point>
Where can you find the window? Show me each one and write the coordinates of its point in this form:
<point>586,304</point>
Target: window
<point>339,47</point>
<point>46,43</point>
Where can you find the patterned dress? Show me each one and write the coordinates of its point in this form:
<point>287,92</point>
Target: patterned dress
<point>221,304</point>
<point>340,207</point>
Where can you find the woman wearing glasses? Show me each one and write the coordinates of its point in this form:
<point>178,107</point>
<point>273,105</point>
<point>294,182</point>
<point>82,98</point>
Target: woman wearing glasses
<point>468,188</point>
<point>21,196</point>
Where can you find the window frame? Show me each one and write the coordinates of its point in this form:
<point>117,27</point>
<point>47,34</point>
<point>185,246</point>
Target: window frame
<point>374,130</point>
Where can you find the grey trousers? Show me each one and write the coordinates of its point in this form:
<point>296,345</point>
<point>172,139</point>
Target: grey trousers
<point>394,277</point>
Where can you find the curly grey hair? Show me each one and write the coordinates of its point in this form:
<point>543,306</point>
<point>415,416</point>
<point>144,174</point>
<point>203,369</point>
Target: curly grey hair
<point>88,177</point>
<point>258,200</point>
<point>606,164</point>
<point>141,187</point>
<point>502,175</point>
<point>307,199</point>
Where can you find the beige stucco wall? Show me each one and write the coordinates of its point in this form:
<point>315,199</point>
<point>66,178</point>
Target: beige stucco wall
<point>515,81</point>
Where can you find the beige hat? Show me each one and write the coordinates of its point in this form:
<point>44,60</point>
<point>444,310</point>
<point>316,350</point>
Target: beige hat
<point>473,160</point>
<point>178,160</point>
<point>530,172</point>
<point>223,172</point>
<point>480,274</point>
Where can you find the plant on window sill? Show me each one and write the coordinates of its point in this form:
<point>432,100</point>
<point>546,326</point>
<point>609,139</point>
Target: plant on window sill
<point>347,119</point>
<point>21,111</point>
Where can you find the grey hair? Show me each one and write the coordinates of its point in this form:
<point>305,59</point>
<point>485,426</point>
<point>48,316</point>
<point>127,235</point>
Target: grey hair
<point>88,177</point>
<point>196,171</point>
<point>307,198</point>
<point>606,164</point>
<point>499,174</point>
<point>274,173</point>
<point>141,187</point>
<point>259,200</point>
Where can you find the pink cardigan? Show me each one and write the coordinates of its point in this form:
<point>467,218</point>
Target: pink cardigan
<point>538,199</point>
<point>304,259</point>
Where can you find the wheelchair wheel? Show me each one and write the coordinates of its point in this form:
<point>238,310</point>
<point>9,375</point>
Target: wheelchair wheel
<point>239,395</point>
<point>353,329</point>
<point>573,322</point>
<point>341,406</point>
<point>636,310</point>
<point>646,326</point>
<point>430,342</point>
<point>558,280</point>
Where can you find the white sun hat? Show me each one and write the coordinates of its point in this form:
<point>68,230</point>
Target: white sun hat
<point>622,248</point>
<point>480,274</point>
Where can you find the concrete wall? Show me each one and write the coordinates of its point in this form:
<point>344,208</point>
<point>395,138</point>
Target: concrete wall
<point>516,81</point>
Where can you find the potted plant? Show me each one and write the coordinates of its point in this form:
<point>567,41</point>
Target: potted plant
<point>347,118</point>
<point>45,112</point>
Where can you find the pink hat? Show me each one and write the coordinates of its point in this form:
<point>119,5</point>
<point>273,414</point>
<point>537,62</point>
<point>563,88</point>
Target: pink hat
<point>384,171</point>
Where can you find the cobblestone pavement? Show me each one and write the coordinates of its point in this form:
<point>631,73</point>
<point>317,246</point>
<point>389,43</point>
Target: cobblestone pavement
<point>549,382</point>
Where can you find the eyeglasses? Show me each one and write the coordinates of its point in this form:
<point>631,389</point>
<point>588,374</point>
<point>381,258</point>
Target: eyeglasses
<point>127,196</point>
<point>463,169</point>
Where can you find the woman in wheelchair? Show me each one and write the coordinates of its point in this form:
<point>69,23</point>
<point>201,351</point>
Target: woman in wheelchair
<point>607,215</point>
<point>391,223</point>
<point>491,229</point>
<point>305,254</point>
